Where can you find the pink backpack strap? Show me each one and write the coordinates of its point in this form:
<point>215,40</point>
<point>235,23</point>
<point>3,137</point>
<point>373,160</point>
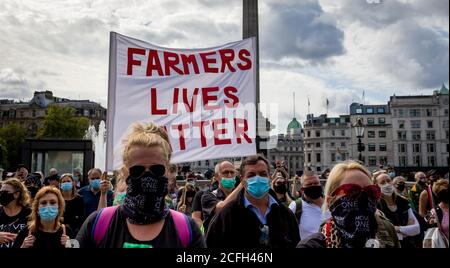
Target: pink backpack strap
<point>101,223</point>
<point>183,227</point>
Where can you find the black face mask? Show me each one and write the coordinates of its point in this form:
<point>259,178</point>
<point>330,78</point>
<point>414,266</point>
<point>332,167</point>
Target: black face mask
<point>355,220</point>
<point>144,202</point>
<point>6,198</point>
<point>313,192</point>
<point>443,196</point>
<point>400,187</point>
<point>280,188</point>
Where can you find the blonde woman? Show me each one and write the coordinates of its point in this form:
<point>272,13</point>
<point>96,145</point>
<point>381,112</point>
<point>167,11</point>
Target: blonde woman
<point>14,210</point>
<point>355,223</point>
<point>45,229</point>
<point>143,220</point>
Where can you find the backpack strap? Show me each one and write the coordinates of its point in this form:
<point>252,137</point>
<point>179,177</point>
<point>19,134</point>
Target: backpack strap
<point>298,209</point>
<point>101,223</point>
<point>183,227</point>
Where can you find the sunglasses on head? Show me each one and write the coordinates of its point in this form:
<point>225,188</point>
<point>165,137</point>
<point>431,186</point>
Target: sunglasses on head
<point>354,191</point>
<point>156,170</point>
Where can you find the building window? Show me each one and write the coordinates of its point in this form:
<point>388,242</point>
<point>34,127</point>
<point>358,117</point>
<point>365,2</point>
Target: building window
<point>417,160</point>
<point>416,148</point>
<point>342,144</point>
<point>382,147</point>
<point>371,134</point>
<point>416,135</point>
<point>383,160</point>
<point>431,148</point>
<point>414,112</point>
<point>431,135</point>
<point>370,121</point>
<point>401,135</point>
<point>415,123</point>
<point>333,157</point>
<point>446,134</point>
<point>431,161</point>
<point>332,144</point>
<point>401,113</point>
<point>381,120</point>
<point>402,161</point>
<point>372,160</point>
<point>22,114</point>
<point>446,112</point>
<point>380,110</point>
<point>317,144</point>
<point>309,157</point>
<point>429,112</point>
<point>445,124</point>
<point>317,133</point>
<point>342,132</point>
<point>369,110</point>
<point>33,113</point>
<point>308,133</point>
<point>308,145</point>
<point>402,148</point>
<point>318,169</point>
<point>333,133</point>
<point>401,124</point>
<point>382,134</point>
<point>359,111</point>
<point>199,163</point>
<point>430,124</point>
<point>371,147</point>
<point>318,157</point>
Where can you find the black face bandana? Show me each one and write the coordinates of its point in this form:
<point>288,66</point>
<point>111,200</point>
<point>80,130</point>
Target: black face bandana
<point>144,202</point>
<point>281,188</point>
<point>355,220</point>
<point>6,198</point>
<point>313,192</point>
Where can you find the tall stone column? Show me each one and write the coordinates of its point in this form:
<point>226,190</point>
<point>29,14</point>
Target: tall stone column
<point>250,29</point>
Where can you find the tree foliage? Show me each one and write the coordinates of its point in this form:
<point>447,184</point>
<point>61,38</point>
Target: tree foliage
<point>12,136</point>
<point>62,123</point>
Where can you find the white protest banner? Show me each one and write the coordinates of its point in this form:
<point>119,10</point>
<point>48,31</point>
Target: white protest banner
<point>205,98</point>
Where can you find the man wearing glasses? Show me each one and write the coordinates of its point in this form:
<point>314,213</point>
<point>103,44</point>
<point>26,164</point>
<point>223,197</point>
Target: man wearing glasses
<point>253,219</point>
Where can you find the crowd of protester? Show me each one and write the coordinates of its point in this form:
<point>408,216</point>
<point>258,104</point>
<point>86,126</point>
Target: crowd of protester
<point>150,203</point>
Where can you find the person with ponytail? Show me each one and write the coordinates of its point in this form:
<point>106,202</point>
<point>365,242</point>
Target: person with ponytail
<point>143,220</point>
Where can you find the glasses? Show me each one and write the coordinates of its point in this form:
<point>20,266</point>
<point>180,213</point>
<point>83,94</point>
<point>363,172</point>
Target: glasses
<point>354,191</point>
<point>156,170</point>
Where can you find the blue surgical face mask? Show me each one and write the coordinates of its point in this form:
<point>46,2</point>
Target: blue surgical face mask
<point>48,213</point>
<point>75,178</point>
<point>258,186</point>
<point>95,184</point>
<point>392,175</point>
<point>66,186</point>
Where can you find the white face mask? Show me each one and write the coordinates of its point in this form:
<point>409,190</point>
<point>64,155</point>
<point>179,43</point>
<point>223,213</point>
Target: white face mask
<point>387,189</point>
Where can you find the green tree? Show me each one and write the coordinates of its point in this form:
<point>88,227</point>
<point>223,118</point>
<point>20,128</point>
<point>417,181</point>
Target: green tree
<point>12,137</point>
<point>61,123</point>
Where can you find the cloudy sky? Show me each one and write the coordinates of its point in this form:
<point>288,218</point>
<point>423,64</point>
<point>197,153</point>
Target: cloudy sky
<point>333,49</point>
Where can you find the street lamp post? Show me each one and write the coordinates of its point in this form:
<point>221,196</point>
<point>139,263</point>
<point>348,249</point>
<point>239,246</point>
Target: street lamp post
<point>359,129</point>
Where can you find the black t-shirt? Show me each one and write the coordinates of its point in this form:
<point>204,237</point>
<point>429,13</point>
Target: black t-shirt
<point>74,213</point>
<point>43,240</point>
<point>118,235</point>
<point>13,224</point>
<point>209,202</point>
<point>197,203</point>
